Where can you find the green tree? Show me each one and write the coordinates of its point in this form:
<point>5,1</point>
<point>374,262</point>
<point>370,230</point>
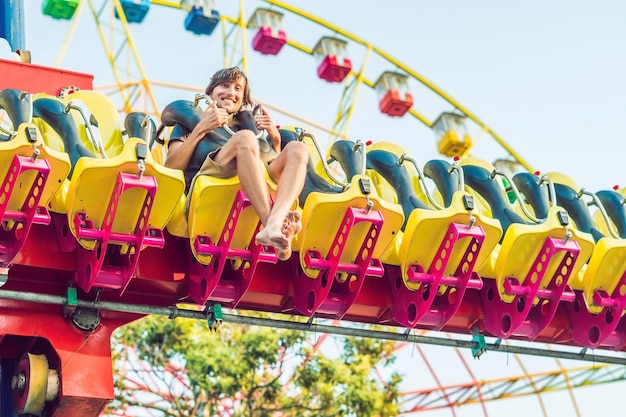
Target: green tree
<point>179,368</point>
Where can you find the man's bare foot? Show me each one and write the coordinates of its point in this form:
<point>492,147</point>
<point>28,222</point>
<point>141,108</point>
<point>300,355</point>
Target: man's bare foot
<point>284,254</point>
<point>272,236</point>
<point>281,240</point>
<point>277,241</point>
<point>292,224</point>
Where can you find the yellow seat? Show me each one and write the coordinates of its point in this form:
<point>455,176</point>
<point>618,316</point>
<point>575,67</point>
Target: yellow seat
<point>93,185</point>
<point>604,271</point>
<point>115,209</point>
<point>523,243</point>
<point>107,116</point>
<point>597,313</point>
<point>426,230</point>
<point>533,269</point>
<point>222,225</point>
<point>386,190</point>
<point>50,137</point>
<point>31,174</point>
<point>322,219</point>
<point>481,204</point>
<point>438,256</point>
<point>210,201</point>
<point>600,221</point>
<point>343,236</point>
<point>58,161</point>
<point>607,264</point>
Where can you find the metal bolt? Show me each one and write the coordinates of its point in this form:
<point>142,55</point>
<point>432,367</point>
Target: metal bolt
<point>18,383</point>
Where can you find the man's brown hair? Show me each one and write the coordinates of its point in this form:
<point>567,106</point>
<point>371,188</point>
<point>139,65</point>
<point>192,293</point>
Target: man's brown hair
<point>230,75</point>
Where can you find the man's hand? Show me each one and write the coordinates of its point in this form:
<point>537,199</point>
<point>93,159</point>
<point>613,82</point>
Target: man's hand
<point>212,118</point>
<point>264,122</point>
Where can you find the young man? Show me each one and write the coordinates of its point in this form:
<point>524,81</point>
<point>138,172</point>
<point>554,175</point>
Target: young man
<point>209,150</point>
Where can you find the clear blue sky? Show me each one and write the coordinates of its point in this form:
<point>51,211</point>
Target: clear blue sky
<point>547,76</point>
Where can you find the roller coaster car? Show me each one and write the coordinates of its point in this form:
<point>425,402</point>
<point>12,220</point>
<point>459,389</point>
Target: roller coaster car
<point>534,265</point>
<point>219,223</point>
<point>440,249</point>
<point>139,195</point>
<point>222,226</point>
<point>17,105</point>
<point>60,131</point>
<point>32,173</point>
<point>316,179</point>
<point>395,186</point>
<point>95,113</point>
<point>536,195</point>
<point>596,314</point>
<point>614,202</point>
<point>342,239</point>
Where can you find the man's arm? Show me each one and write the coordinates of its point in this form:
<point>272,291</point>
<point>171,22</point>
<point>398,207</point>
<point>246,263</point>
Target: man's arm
<point>180,151</point>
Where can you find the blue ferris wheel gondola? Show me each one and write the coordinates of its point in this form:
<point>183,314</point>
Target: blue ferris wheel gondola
<point>135,10</point>
<point>201,23</point>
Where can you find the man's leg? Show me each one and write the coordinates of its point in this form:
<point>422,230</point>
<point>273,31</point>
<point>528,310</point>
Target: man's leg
<point>241,152</point>
<point>289,172</point>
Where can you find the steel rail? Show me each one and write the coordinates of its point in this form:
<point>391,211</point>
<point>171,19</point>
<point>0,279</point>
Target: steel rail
<point>309,326</point>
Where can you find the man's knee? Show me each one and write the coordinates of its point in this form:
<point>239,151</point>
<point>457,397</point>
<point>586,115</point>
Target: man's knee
<point>297,151</point>
<point>245,141</point>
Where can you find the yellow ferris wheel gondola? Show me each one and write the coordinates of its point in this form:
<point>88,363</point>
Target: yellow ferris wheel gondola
<point>451,134</point>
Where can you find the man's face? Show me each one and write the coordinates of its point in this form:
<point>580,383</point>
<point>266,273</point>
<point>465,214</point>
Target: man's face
<point>229,94</point>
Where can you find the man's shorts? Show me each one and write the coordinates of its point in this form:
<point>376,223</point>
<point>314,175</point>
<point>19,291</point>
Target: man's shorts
<point>213,169</point>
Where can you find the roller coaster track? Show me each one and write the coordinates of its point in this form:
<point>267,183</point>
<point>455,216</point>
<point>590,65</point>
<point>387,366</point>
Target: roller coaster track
<point>604,369</point>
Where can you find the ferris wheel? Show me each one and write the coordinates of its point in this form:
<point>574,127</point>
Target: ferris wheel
<point>347,69</point>
<point>349,74</point>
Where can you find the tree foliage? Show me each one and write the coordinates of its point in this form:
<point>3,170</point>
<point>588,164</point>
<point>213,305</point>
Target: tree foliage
<point>178,368</point>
